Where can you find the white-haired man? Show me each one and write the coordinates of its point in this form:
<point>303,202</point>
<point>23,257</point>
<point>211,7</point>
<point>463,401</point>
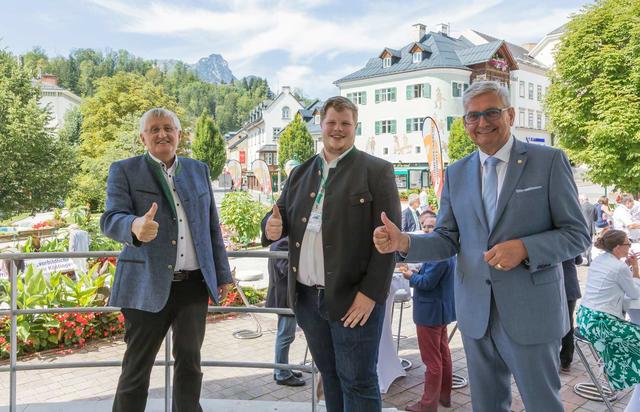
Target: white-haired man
<point>411,215</point>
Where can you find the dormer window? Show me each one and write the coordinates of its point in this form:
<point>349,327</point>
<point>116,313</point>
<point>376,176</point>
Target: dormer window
<point>285,112</point>
<point>386,62</point>
<point>417,57</point>
<point>316,119</point>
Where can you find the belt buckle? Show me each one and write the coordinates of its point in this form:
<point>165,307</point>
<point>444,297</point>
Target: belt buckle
<point>180,276</point>
<point>318,287</point>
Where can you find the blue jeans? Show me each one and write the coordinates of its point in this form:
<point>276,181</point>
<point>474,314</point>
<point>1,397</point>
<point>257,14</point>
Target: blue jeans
<point>284,338</point>
<point>346,357</point>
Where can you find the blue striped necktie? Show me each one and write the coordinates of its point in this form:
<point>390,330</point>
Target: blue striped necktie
<point>490,188</point>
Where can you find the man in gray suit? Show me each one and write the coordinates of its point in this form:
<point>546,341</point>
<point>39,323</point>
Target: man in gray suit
<point>510,211</point>
<point>161,207</point>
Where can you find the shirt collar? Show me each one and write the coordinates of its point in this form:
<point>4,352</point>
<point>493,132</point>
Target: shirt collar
<point>504,153</point>
<point>161,163</point>
<point>335,161</point>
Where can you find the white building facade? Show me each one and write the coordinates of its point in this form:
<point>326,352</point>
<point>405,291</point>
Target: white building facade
<point>56,100</point>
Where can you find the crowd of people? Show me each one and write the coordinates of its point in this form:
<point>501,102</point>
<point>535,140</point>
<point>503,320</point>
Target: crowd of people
<point>499,258</point>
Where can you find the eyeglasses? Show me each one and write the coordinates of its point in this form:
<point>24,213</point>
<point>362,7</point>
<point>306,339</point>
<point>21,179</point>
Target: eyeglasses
<point>489,114</point>
<point>626,244</point>
<point>156,130</point>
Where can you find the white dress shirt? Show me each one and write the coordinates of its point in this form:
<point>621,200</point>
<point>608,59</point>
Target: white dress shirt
<point>622,218</point>
<point>504,154</point>
<point>311,264</point>
<point>186,258</point>
<point>609,280</point>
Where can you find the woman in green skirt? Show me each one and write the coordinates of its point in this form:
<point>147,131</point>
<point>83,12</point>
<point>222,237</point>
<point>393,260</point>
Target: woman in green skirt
<point>601,319</point>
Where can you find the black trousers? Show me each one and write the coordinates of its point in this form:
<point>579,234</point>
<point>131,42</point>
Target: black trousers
<point>186,313</point>
<point>566,352</point>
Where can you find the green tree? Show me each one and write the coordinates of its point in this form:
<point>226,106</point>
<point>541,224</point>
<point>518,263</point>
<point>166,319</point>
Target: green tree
<point>37,167</point>
<point>70,132</point>
<point>593,101</point>
<point>460,144</point>
<point>242,214</point>
<point>35,61</point>
<point>110,130</point>
<point>295,142</point>
<point>208,145</point>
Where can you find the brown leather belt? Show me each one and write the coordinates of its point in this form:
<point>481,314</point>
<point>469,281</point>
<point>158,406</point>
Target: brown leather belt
<point>186,275</point>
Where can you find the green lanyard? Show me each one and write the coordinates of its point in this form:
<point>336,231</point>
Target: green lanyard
<point>323,185</point>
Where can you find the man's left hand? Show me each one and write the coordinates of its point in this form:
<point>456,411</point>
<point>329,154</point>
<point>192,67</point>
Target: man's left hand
<point>506,255</point>
<point>359,312</point>
<point>222,291</point>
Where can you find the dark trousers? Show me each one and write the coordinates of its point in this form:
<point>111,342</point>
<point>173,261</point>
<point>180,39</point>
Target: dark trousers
<point>346,357</point>
<point>433,342</point>
<point>186,313</point>
<point>566,352</point>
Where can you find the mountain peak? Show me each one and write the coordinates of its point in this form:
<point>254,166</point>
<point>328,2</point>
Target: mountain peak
<point>214,69</point>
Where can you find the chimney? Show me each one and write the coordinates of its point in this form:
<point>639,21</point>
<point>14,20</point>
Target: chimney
<point>51,79</point>
<point>444,28</point>
<point>286,89</point>
<point>421,29</point>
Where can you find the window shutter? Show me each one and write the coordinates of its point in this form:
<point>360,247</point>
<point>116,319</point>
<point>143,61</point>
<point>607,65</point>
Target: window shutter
<point>364,98</point>
<point>410,92</point>
<point>377,95</point>
<point>427,91</point>
<point>409,126</point>
<point>377,127</point>
<point>393,94</point>
<point>393,126</point>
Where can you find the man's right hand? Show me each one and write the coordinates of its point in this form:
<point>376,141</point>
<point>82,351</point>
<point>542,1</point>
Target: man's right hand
<point>273,228</point>
<point>144,227</point>
<point>388,238</point>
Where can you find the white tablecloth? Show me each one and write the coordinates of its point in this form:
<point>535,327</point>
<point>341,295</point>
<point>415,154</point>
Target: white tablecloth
<point>389,364</point>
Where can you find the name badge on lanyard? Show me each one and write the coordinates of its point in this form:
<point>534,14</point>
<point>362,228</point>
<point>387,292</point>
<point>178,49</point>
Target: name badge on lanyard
<point>315,218</point>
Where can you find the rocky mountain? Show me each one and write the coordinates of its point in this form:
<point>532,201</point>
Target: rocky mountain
<point>214,69</point>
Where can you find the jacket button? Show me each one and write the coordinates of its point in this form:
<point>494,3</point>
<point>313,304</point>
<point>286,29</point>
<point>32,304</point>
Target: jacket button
<point>294,269</point>
<point>319,173</point>
<point>312,194</point>
<point>170,267</point>
<point>361,200</point>
<point>297,244</point>
<point>173,242</point>
<point>304,220</point>
<point>488,282</point>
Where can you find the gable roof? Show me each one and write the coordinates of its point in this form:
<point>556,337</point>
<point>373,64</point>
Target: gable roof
<point>519,53</point>
<point>444,52</point>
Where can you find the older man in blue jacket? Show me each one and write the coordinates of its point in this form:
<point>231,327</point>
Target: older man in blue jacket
<point>162,208</point>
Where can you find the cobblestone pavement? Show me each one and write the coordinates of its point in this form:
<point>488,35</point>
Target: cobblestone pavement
<point>238,383</point>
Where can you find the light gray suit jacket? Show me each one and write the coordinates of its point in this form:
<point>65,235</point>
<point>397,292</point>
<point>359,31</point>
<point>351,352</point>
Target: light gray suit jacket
<point>538,204</point>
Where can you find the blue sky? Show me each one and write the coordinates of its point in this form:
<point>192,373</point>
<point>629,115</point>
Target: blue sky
<point>301,43</point>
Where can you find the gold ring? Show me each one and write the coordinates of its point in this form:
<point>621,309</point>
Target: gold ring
<point>499,267</point>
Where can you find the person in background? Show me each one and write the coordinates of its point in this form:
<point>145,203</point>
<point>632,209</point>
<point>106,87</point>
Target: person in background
<point>600,317</point>
<point>433,310</point>
<point>277,298</point>
<point>623,219</point>
<point>411,215</point>
<point>424,201</point>
<point>603,214</point>
<point>590,215</point>
<point>572,289</point>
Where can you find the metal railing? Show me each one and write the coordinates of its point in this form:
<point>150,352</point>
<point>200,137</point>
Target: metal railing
<point>14,312</point>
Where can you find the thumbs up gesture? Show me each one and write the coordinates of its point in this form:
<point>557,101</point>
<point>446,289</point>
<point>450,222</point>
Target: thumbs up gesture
<point>273,228</point>
<point>388,238</point>
<point>144,227</point>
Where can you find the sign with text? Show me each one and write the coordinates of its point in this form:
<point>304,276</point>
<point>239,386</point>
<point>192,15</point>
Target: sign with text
<point>49,266</point>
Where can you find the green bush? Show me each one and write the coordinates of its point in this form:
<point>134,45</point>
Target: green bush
<point>242,215</point>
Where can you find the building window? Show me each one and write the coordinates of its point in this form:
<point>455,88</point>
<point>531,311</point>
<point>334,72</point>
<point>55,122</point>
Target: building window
<point>358,97</point>
<point>268,158</point>
<point>539,120</point>
<point>530,91</point>
<point>521,117</point>
<point>386,62</point>
<point>417,57</point>
<point>385,150</point>
<point>450,120</point>
<point>276,130</point>
<point>386,95</point>
<point>457,88</point>
<point>530,119</point>
<point>285,112</point>
<point>316,119</point>
<point>385,126</point>
<point>418,149</point>
<point>415,91</point>
<point>521,88</point>
<point>414,124</point>
<point>539,93</point>
<point>359,129</point>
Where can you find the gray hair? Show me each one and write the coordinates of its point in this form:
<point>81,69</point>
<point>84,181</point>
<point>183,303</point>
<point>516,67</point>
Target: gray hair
<point>413,197</point>
<point>483,87</point>
<point>626,198</point>
<point>159,112</point>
